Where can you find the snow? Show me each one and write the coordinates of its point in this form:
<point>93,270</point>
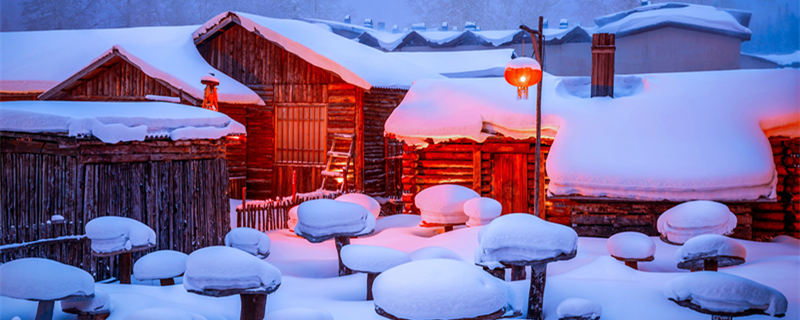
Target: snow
<point>722,292</point>
<point>444,203</point>
<point>719,152</point>
<point>578,307</point>
<point>292,221</point>
<point>439,289</point>
<point>248,240</point>
<point>481,211</point>
<point>110,234</point>
<point>461,64</point>
<point>688,16</point>
<point>99,303</point>
<point>708,245</point>
<point>162,264</point>
<point>355,63</point>
<point>692,218</point>
<point>220,268</point>
<point>372,259</point>
<point>299,314</point>
<point>363,200</point>
<point>631,245</point>
<point>783,60</point>
<point>162,98</point>
<point>38,60</point>
<point>43,279</point>
<point>523,237</point>
<point>112,122</point>
<point>434,252</point>
<point>321,219</point>
<point>164,314</point>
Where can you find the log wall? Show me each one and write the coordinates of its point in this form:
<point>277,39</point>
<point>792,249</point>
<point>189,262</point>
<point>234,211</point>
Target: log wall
<point>378,105</point>
<point>782,216</point>
<point>180,189</point>
<point>15,96</point>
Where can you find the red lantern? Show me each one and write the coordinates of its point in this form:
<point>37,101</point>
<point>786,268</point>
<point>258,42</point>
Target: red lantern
<point>522,73</point>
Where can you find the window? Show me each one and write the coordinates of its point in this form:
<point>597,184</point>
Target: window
<point>300,133</point>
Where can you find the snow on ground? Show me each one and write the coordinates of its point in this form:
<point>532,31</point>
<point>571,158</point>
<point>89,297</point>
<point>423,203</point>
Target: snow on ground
<point>112,122</point>
<point>783,60</point>
<point>309,278</point>
<point>38,60</point>
<point>462,64</point>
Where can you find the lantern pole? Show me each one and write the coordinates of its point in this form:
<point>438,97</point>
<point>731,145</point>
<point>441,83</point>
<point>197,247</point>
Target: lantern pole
<point>537,40</point>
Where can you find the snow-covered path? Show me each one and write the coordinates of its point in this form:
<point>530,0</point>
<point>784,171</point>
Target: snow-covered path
<point>309,278</point>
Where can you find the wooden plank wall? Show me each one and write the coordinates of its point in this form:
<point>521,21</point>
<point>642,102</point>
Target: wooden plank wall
<point>783,215</point>
<point>16,96</point>
<point>118,80</point>
<point>177,188</point>
<point>378,105</point>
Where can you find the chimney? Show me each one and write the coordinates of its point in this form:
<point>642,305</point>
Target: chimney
<point>347,18</point>
<point>603,64</point>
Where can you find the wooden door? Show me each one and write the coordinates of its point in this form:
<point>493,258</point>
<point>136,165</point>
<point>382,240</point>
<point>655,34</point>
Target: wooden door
<point>510,181</point>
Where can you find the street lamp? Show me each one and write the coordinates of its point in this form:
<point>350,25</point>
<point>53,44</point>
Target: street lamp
<point>523,72</point>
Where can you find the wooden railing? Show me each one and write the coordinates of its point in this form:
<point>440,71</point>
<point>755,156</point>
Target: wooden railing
<point>271,214</point>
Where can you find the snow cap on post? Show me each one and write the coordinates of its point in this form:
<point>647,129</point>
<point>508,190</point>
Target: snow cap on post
<point>725,251</point>
<point>41,279</point>
<point>631,246</point>
<point>249,240</point>
<point>364,200</point>
<point>481,211</point>
<point>427,289</point>
<point>162,264</point>
<point>520,237</point>
<point>112,234</point>
<point>98,305</point>
<point>372,259</point>
<point>578,309</point>
<point>321,219</point>
<point>444,203</point>
<point>693,218</point>
<point>222,271</point>
<point>722,293</point>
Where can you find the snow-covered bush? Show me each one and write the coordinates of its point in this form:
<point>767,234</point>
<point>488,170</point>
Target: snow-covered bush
<point>481,211</point>
<point>249,240</point>
<point>444,203</point>
<point>693,218</point>
<point>429,289</point>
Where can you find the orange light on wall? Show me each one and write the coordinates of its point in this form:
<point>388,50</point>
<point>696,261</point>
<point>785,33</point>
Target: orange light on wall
<point>522,73</point>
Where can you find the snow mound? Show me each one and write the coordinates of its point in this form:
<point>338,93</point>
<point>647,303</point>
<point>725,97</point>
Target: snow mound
<point>580,87</point>
<point>579,308</point>
<point>439,289</point>
<point>322,219</point>
<point>162,264</point>
<point>43,279</point>
<point>112,122</point>
<point>164,314</point>
<point>299,314</point>
<point>722,292</point>
<point>444,203</point>
<point>372,259</point>
<point>112,234</point>
<point>225,271</point>
<point>523,237</point>
<point>692,218</point>
<point>481,211</point>
<point>434,253</point>
<point>99,303</point>
<point>631,245</point>
<point>709,245</point>
<point>292,221</point>
<point>249,240</point>
<point>364,200</point>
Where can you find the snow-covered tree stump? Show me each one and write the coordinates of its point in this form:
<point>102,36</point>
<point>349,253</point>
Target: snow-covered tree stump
<point>111,236</point>
<point>323,219</point>
<point>45,281</point>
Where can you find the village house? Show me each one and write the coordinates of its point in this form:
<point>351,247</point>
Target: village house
<point>322,94</point>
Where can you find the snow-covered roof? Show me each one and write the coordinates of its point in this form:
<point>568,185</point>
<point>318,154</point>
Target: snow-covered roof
<point>675,14</point>
<point>355,63</point>
<point>112,122</point>
<point>782,60</point>
<point>38,60</point>
<point>460,64</point>
<point>672,136</point>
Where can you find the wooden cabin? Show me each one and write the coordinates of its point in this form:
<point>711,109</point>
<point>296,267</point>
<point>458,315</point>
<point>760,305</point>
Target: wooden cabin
<point>124,65</point>
<point>79,160</point>
<point>320,92</point>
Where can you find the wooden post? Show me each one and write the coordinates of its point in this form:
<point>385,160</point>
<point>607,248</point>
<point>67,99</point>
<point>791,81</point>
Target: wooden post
<point>603,49</point>
<point>167,282</point>
<point>536,292</point>
<point>632,264</point>
<point>44,311</point>
<point>342,241</point>
<point>537,210</point>
<point>370,280</point>
<point>517,273</point>
<point>710,264</point>
<point>125,268</point>
<point>720,317</point>
<point>253,306</point>
<point>294,185</point>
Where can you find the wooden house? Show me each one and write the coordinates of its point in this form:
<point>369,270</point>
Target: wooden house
<point>64,163</point>
<point>317,88</point>
<point>612,164</point>
<point>127,64</point>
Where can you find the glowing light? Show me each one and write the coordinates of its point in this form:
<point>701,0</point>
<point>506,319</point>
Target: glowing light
<point>522,73</point>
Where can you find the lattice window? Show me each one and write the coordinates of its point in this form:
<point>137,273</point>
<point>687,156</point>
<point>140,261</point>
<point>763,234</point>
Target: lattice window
<point>300,133</point>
